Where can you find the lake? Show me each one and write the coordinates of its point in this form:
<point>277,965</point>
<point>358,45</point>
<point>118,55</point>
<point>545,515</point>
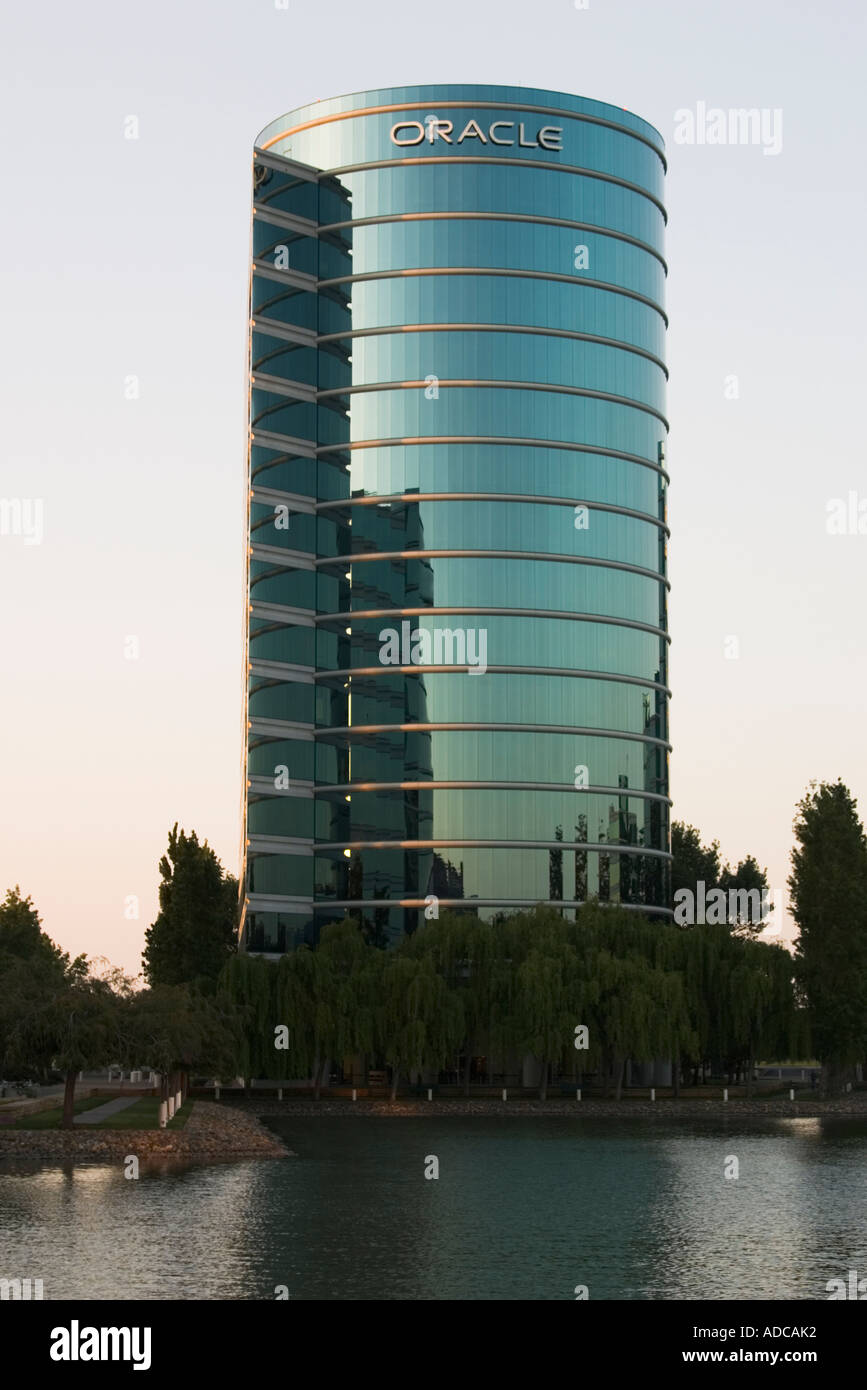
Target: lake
<point>522,1209</point>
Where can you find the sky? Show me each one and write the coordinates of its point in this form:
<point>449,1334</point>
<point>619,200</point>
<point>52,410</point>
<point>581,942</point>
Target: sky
<point>123,279</point>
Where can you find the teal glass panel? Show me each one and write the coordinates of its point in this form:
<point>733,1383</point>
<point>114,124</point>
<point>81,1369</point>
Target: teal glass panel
<point>288,816</point>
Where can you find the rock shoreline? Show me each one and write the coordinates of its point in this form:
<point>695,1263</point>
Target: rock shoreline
<point>214,1133</point>
<point>845,1107</point>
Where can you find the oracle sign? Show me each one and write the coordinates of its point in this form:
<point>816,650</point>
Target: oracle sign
<point>548,137</point>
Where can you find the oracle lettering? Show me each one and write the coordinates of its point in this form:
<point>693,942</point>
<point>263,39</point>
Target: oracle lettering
<point>548,137</point>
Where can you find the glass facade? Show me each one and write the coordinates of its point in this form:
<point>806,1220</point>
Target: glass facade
<point>457,621</point>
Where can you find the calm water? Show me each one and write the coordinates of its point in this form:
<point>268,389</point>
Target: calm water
<point>522,1209</point>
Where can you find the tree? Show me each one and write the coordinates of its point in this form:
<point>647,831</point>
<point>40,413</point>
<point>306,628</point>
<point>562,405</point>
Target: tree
<point>420,1020</point>
<point>248,991</point>
<point>749,884</point>
<point>467,953</point>
<point>74,1024</point>
<point>326,999</point>
<point>195,931</point>
<point>547,1000</point>
<point>692,862</point>
<point>351,963</point>
<point>175,1030</point>
<point>763,1011</point>
<point>21,934</point>
<point>828,888</point>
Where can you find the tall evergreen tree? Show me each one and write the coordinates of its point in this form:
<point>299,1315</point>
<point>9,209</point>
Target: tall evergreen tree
<point>195,931</point>
<point>828,887</point>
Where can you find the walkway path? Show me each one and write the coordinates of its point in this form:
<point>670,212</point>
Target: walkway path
<point>104,1112</point>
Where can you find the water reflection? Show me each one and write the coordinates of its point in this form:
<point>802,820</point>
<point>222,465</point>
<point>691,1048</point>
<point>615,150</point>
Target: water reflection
<point>522,1209</point>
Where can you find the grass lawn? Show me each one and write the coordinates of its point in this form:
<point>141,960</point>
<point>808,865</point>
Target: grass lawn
<point>50,1119</point>
<point>144,1114</point>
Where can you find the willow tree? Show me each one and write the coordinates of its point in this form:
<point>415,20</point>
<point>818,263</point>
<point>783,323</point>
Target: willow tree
<point>629,1016</point>
<point>763,1005</point>
<point>419,1019</point>
<point>248,986</point>
<point>547,1005</point>
<point>466,952</point>
<point>349,970</point>
<point>306,1007</point>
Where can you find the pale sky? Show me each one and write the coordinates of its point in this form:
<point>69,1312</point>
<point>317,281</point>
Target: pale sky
<point>128,258</point>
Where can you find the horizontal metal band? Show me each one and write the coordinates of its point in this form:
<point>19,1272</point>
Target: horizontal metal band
<point>279,844</point>
<point>537,329</point>
<point>285,443</point>
<point>275,554</point>
<point>466,215</point>
<point>300,279</point>
<point>286,332</point>
<point>414,272</point>
<point>473,383</point>
<point>285,164</point>
<point>371,556</point>
<point>273,496</point>
<point>569,615</point>
<point>432,669</point>
<point>526,498</point>
<point>263,211</point>
<point>278,902</point>
<point>490,786</point>
<point>259,727</point>
<point>550,165</point>
<point>468,103</point>
<point>495,725</point>
<point>284,386</point>
<point>281,671</point>
<point>605,847</point>
<point>321,905</point>
<point>522,441</point>
<point>260,787</point>
<point>280,613</point>
<point>300,391</point>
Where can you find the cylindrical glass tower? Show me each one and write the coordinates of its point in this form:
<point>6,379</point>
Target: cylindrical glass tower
<point>457,648</point>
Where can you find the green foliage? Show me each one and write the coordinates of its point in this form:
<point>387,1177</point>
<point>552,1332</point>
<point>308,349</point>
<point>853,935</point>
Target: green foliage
<point>694,863</point>
<point>195,931</point>
<point>21,935</point>
<point>419,1019</point>
<point>247,992</point>
<point>71,1023</point>
<point>828,887</point>
<point>644,989</point>
<point>173,1028</point>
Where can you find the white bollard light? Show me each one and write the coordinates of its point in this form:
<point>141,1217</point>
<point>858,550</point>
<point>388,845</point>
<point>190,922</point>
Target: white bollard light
<point>429,1093</point>
<point>178,1101</point>
<point>162,1114</point>
<point>578,1094</point>
<point>171,1106</point>
<point>791,1093</point>
<point>354,1094</point>
<point>216,1090</point>
<point>653,1093</point>
<point>279,1092</point>
<point>504,1093</point>
<point>725,1093</point>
